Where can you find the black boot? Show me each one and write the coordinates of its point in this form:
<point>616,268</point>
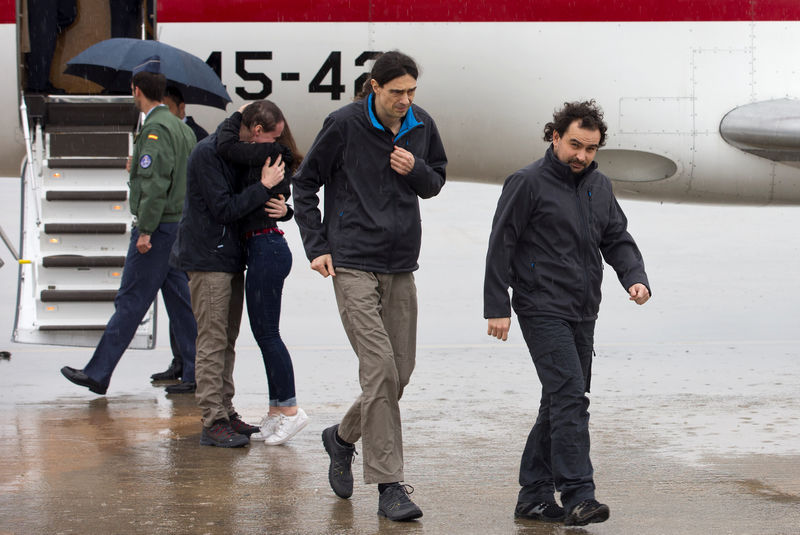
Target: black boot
<point>173,373</point>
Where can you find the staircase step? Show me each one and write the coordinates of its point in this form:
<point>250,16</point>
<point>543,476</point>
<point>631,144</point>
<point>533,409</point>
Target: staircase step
<point>60,296</point>
<point>105,163</point>
<point>72,327</point>
<point>75,195</point>
<point>78,261</point>
<point>85,228</point>
<point>87,144</point>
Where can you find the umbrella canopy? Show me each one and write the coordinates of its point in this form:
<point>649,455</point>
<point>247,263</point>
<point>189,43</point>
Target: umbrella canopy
<point>110,63</point>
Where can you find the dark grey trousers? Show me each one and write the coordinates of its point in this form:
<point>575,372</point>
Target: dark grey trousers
<point>556,455</point>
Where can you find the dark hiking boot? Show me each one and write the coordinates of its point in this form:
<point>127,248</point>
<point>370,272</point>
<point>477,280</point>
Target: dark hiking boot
<point>394,503</point>
<point>173,373</point>
<point>340,471</point>
<point>182,388</point>
<point>544,511</point>
<point>241,427</point>
<point>222,435</point>
<point>587,512</point>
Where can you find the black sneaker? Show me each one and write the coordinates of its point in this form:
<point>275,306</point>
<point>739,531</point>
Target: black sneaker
<point>587,512</point>
<point>241,427</point>
<point>544,511</point>
<point>221,434</point>
<point>394,503</point>
<point>340,472</point>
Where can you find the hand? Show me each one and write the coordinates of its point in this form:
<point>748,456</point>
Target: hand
<point>499,327</point>
<point>143,243</point>
<point>272,175</point>
<point>401,161</point>
<point>242,107</point>
<point>128,164</point>
<point>276,207</point>
<point>324,265</point>
<point>639,293</point>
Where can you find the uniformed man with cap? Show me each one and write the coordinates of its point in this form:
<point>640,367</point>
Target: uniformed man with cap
<point>157,190</point>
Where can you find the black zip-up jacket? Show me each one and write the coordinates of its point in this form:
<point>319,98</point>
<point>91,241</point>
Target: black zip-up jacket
<point>248,159</point>
<point>372,219</point>
<point>208,239</point>
<point>549,231</point>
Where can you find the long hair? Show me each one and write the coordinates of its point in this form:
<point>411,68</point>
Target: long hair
<point>387,67</point>
<point>267,114</point>
<point>587,112</point>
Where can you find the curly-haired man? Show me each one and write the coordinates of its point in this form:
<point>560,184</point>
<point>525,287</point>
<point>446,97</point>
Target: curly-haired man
<point>554,220</point>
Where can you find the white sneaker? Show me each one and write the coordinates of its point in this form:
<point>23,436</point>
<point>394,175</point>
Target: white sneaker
<point>267,427</point>
<point>288,426</point>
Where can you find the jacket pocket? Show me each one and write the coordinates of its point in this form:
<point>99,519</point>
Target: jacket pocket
<point>221,240</point>
<point>136,195</point>
<point>526,280</point>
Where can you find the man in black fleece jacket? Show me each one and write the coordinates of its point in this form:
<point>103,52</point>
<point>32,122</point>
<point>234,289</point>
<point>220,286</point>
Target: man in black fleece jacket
<point>376,158</point>
<point>554,220</point>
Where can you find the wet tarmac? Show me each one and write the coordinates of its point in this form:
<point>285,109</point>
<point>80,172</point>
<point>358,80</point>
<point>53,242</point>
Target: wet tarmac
<point>695,403</point>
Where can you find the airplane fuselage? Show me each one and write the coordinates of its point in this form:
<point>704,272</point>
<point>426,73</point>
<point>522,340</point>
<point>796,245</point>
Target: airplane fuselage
<point>665,73</point>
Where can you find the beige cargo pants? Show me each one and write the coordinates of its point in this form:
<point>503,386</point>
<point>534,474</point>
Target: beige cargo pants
<point>379,314</point>
<point>217,301</point>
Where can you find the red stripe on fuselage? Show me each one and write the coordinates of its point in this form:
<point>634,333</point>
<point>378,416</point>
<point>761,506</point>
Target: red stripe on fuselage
<point>476,10</point>
<point>7,13</point>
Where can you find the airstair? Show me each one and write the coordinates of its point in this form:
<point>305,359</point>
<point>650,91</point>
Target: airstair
<point>75,218</point>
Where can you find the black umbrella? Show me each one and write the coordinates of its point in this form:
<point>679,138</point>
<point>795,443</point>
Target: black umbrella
<point>110,63</point>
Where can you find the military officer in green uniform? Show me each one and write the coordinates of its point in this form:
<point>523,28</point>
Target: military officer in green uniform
<point>157,189</point>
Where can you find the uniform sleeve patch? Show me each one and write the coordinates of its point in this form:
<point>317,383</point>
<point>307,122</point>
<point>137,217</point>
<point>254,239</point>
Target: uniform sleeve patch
<point>152,136</point>
<point>145,161</point>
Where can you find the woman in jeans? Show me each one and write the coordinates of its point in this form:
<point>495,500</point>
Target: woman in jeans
<point>253,138</point>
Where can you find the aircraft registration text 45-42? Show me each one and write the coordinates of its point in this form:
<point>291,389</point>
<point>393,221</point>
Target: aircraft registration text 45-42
<point>326,80</point>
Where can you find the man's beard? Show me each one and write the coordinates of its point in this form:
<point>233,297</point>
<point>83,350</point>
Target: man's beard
<point>575,160</point>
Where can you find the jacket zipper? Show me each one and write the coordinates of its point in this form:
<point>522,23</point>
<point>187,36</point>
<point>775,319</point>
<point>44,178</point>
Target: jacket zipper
<point>584,247</point>
<point>393,248</point>
<point>394,140</point>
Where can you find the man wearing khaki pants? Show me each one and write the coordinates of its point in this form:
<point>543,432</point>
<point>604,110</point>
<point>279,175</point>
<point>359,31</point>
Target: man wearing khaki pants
<point>209,250</point>
<point>376,157</point>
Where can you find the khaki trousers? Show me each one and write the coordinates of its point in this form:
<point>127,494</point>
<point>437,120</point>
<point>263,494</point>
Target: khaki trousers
<point>217,300</point>
<point>379,314</point>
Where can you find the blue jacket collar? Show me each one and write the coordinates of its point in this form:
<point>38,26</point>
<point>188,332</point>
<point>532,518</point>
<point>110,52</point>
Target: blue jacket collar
<point>409,121</point>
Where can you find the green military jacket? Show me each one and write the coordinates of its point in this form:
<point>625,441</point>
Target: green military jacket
<point>158,169</point>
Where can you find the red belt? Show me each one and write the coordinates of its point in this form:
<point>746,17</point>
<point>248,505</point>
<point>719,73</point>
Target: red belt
<point>270,230</point>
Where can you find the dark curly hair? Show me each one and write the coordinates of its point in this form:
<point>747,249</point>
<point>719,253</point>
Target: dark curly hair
<point>587,112</point>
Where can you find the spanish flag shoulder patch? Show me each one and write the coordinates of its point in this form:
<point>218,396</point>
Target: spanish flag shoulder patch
<point>152,136</point>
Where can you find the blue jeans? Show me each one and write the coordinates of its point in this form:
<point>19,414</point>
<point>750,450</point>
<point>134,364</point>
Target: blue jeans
<point>142,277</point>
<point>556,455</point>
<point>269,261</point>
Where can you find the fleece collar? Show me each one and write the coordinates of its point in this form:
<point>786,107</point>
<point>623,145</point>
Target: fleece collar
<point>564,170</point>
